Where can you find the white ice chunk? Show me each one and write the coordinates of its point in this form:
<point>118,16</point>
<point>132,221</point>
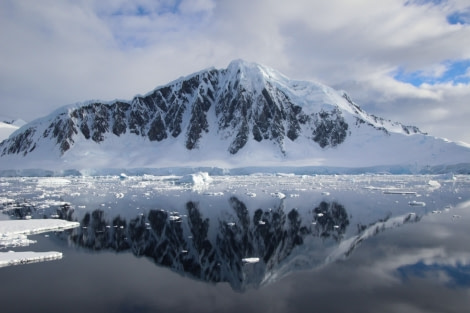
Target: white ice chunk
<point>197,180</point>
<point>417,203</point>
<point>279,195</point>
<point>13,233</point>
<point>434,184</point>
<point>119,195</point>
<point>215,194</point>
<point>34,226</point>
<point>25,257</point>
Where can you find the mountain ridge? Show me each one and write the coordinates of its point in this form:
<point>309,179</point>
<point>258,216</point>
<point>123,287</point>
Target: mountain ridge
<point>244,115</point>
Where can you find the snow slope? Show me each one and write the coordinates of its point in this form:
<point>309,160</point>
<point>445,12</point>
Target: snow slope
<point>6,130</point>
<point>247,115</point>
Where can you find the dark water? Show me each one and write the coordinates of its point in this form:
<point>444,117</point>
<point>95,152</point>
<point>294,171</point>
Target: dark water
<point>332,244</point>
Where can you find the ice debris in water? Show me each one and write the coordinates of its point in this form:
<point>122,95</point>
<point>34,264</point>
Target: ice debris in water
<point>417,203</point>
<point>119,195</point>
<point>14,233</point>
<point>434,184</point>
<point>279,195</point>
<point>196,179</point>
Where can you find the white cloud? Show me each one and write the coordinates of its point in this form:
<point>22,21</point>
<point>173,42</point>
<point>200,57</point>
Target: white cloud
<point>62,52</point>
<point>196,6</point>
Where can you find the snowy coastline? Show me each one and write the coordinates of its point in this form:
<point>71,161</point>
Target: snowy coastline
<point>463,168</point>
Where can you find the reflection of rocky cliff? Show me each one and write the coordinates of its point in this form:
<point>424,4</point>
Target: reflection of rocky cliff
<point>213,250</point>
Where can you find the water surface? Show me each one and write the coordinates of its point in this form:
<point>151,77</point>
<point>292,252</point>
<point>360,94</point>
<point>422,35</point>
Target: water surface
<point>363,243</point>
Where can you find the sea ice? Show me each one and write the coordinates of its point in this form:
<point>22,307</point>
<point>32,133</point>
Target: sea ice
<point>417,203</point>
<point>13,233</point>
<point>250,260</point>
<point>197,180</point>
<point>16,258</point>
<point>279,195</point>
<point>34,226</point>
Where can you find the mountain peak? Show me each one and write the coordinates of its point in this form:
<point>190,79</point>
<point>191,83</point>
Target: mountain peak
<point>252,70</point>
<point>242,65</point>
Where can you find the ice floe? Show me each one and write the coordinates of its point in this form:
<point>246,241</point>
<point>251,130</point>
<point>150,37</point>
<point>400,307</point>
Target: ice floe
<point>13,234</point>
<point>278,194</point>
<point>399,192</point>
<point>16,258</point>
<point>197,181</point>
<point>34,226</point>
<point>214,194</point>
<point>119,195</point>
<point>417,203</point>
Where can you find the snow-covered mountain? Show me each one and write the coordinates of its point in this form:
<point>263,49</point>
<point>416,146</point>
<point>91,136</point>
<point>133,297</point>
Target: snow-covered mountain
<point>245,115</point>
<point>9,126</point>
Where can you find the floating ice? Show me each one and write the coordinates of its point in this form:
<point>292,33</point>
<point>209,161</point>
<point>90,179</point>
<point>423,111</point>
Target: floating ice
<point>119,195</point>
<point>417,203</point>
<point>434,184</point>
<point>214,194</point>
<point>197,180</point>
<point>25,257</point>
<point>250,260</point>
<point>279,195</point>
<point>53,182</point>
<point>13,233</point>
<point>399,192</point>
<point>34,226</point>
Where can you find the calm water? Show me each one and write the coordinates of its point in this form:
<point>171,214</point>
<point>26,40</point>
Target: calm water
<point>322,243</point>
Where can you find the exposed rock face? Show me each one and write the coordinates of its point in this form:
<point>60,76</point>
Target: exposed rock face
<point>245,102</point>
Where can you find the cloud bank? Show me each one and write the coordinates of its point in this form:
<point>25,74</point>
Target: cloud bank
<point>408,61</point>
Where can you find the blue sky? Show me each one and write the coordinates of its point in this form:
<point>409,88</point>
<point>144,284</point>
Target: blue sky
<point>404,60</point>
<point>452,71</point>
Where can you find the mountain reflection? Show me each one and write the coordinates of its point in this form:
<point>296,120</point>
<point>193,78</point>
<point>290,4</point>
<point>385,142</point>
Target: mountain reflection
<point>215,249</point>
<point>219,247</point>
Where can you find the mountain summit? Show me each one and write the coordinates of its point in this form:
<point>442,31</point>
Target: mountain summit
<point>244,115</point>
